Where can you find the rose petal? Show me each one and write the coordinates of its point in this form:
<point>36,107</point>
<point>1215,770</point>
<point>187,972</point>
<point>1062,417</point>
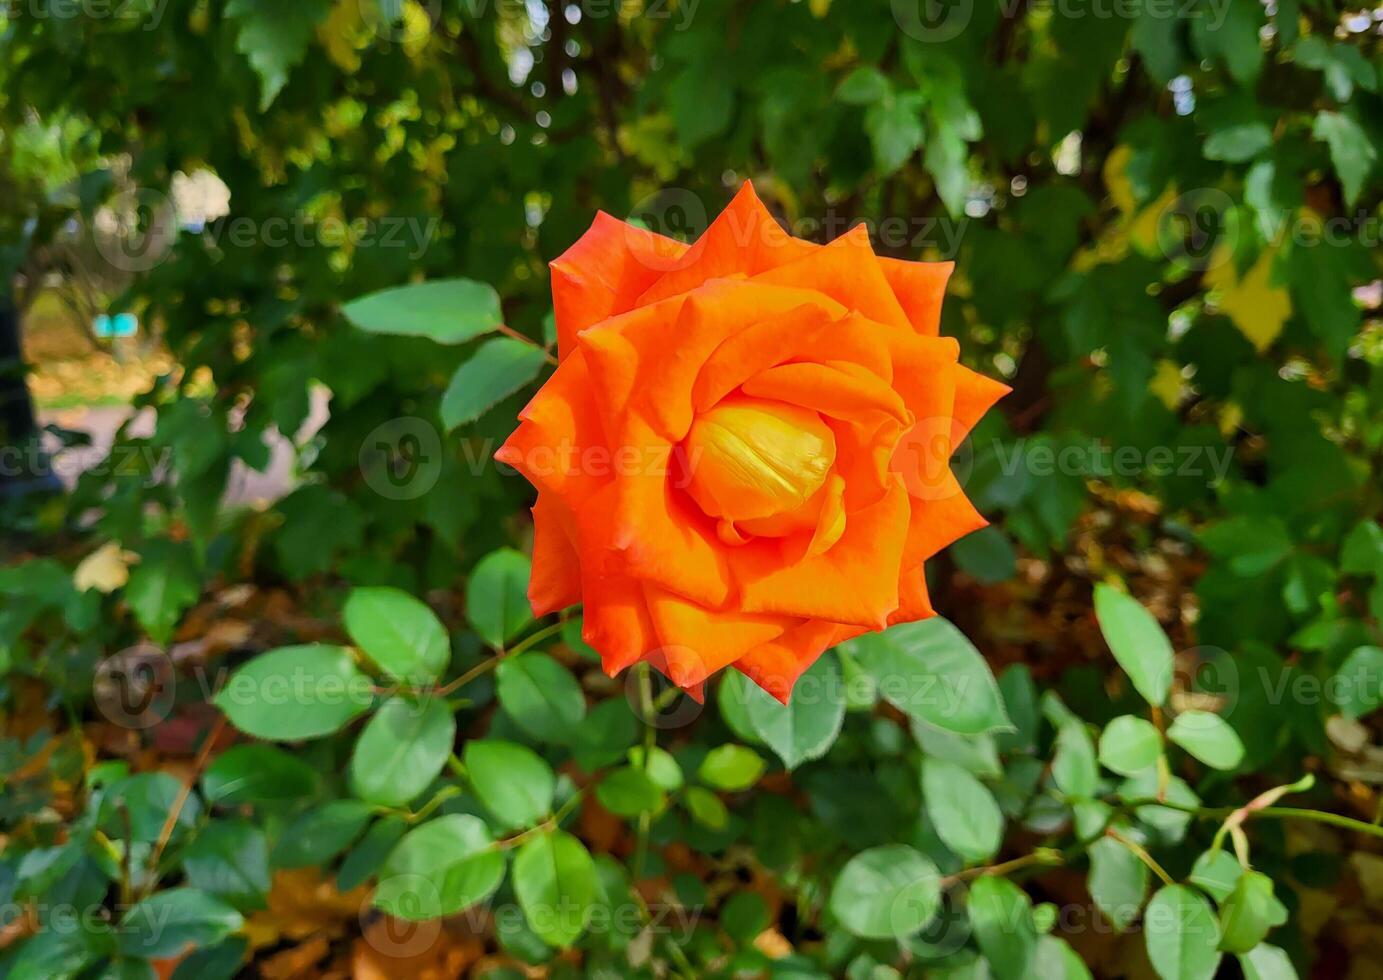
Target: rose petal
<point>855,582</point>
<point>920,288</point>
<point>603,273</point>
<point>940,520</point>
<point>555,582</point>
<point>776,665</point>
<point>697,641</point>
<point>847,271</point>
<point>975,395</point>
<point>743,240</point>
<point>838,388</point>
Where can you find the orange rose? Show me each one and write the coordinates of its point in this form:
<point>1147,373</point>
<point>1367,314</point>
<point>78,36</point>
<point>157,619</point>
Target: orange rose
<point>742,457</point>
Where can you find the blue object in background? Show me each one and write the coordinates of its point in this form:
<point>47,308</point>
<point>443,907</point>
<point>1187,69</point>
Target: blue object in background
<point>120,325</point>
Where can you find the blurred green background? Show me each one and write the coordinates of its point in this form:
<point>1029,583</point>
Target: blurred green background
<point>1165,218</point>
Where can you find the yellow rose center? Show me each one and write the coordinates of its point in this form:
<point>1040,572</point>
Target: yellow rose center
<point>752,458</point>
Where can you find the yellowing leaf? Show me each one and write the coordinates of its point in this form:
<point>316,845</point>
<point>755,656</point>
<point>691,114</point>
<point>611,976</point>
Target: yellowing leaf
<point>819,8</point>
<point>1116,179</point>
<point>1144,227</point>
<point>341,33</point>
<point>1258,307</point>
<point>1166,383</point>
<point>105,569</point>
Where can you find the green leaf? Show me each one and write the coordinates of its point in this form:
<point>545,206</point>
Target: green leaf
<point>628,792</point>
<point>162,586</point>
<point>1001,916</point>
<point>449,311</point>
<point>1351,150</point>
<point>368,856</point>
<point>1137,642</point>
<point>1250,913</point>
<point>401,751</point>
<point>807,726</point>
<point>399,633</point>
<point>1129,745</point>
<point>864,86</point>
<point>931,672</point>
<point>513,782</point>
<point>731,768</point>
<point>605,734</point>
<point>1266,962</point>
<point>257,774</point>
<point>497,369</point>
<point>702,101</point>
<point>1073,767</point>
<point>1216,873</point>
<point>706,808</point>
<point>1118,882</point>
<point>167,923</point>
<point>1357,686</point>
<point>1208,737</point>
<point>541,696</point>
<point>555,881</point>
<point>443,867</point>
<point>230,859</point>
<point>662,767</point>
<point>895,130</point>
<point>987,555</point>
<point>320,834</point>
<point>1056,960</point>
<point>886,892</point>
<point>1362,550</point>
<point>1182,935</point>
<point>296,692</point>
<point>497,596</point>
<point>274,37</point>
<point>963,810</point>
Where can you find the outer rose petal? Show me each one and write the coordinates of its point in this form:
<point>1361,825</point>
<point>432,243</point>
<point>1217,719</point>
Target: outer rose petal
<point>914,602</point>
<point>975,395</point>
<point>556,579</point>
<point>615,620</point>
<point>775,666</point>
<point>940,520</point>
<point>847,271</point>
<point>920,288</point>
<point>697,641</point>
<point>553,444</point>
<point>603,273</point>
<point>743,240</point>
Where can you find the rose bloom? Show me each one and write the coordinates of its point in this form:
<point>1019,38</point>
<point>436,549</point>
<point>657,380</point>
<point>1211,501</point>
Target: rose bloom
<point>742,457</point>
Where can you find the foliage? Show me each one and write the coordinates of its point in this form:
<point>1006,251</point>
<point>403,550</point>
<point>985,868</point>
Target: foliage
<point>1165,225</point>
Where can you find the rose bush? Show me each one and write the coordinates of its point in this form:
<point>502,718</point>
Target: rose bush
<point>742,458</point>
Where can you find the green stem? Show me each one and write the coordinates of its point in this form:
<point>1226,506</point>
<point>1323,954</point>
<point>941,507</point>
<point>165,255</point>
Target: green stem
<point>1278,812</point>
<point>485,666</point>
<point>1140,852</point>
